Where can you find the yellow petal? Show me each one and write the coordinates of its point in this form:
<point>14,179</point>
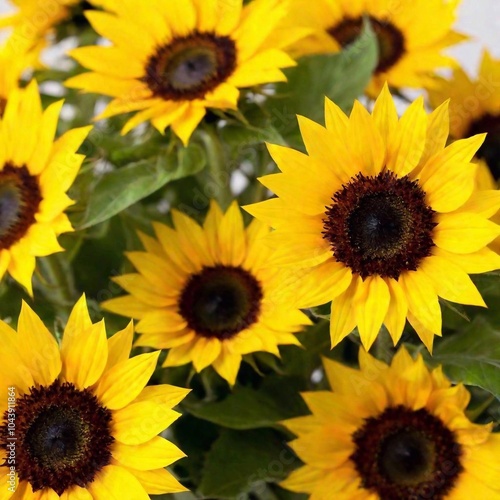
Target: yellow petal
<point>128,306</point>
<point>40,155</point>
<point>156,453</point>
<point>37,347</point>
<point>204,352</point>
<point>86,356</point>
<point>169,395</point>
<point>124,381</point>
<point>158,481</point>
<point>343,317</point>
<point>120,345</point>
<point>438,129</point>
<point>140,422</point>
<point>155,270</point>
<point>449,184</point>
<point>162,320</point>
<point>227,366</point>
<point>425,334</point>
<point>406,146</point>
<point>335,119</point>
<point>185,125</point>
<point>396,314</point>
<point>76,493</point>
<point>232,243</point>
<point>22,266</point>
<point>371,303</point>
<point>478,262</point>
<point>422,299</point>
<point>451,282</point>
<point>364,141</point>
<point>78,322</point>
<point>385,115</point>
<point>116,483</point>
<point>228,15</point>
<point>464,233</point>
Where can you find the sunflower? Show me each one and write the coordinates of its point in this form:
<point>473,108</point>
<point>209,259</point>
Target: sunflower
<point>171,60</point>
<point>34,21</point>
<point>384,217</point>
<point>411,35</point>
<point>207,295</point>
<point>84,424</point>
<point>12,66</point>
<point>35,172</point>
<point>474,109</point>
<point>392,432</point>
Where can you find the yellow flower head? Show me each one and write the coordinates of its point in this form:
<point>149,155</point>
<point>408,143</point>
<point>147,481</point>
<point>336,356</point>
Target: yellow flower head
<point>171,60</point>
<point>85,424</point>
<point>35,173</point>
<point>384,216</point>
<point>475,109</point>
<point>392,432</point>
<point>207,295</point>
<point>34,20</point>
<point>411,35</point>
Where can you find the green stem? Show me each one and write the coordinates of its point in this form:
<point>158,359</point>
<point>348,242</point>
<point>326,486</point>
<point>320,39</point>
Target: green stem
<point>56,283</point>
<point>219,174</point>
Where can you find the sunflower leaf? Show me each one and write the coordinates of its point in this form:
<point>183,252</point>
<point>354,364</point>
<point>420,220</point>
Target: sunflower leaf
<point>472,356</point>
<point>242,461</point>
<point>341,77</point>
<point>113,192</point>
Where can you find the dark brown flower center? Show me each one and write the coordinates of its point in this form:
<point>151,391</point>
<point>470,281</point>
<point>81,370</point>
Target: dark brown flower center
<point>407,454</point>
<point>221,301</point>
<point>490,150</point>
<point>188,67</point>
<point>380,225</point>
<point>20,198</point>
<point>391,42</point>
<point>63,437</point>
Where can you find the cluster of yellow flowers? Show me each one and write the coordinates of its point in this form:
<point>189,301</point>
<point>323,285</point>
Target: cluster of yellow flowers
<point>381,217</point>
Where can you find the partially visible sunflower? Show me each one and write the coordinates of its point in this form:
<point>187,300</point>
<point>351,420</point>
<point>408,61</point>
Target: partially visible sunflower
<point>411,35</point>
<point>384,216</point>
<point>207,294</point>
<point>35,173</point>
<point>12,66</point>
<point>172,60</point>
<point>474,109</point>
<point>86,427</point>
<point>34,21</point>
<point>392,432</point>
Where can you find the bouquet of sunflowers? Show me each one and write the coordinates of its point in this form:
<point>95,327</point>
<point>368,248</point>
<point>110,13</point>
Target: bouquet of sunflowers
<point>238,261</point>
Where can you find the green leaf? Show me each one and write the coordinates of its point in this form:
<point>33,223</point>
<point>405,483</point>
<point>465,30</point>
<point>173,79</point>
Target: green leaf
<point>240,461</point>
<point>472,356</point>
<point>115,191</point>
<point>342,77</point>
<point>246,408</point>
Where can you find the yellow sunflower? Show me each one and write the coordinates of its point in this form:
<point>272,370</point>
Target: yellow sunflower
<point>474,109</point>
<point>392,432</point>
<point>384,216</point>
<point>207,295</point>
<point>34,21</point>
<point>171,60</point>
<point>78,422</point>
<point>35,173</point>
<point>12,66</point>
<point>411,35</point>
